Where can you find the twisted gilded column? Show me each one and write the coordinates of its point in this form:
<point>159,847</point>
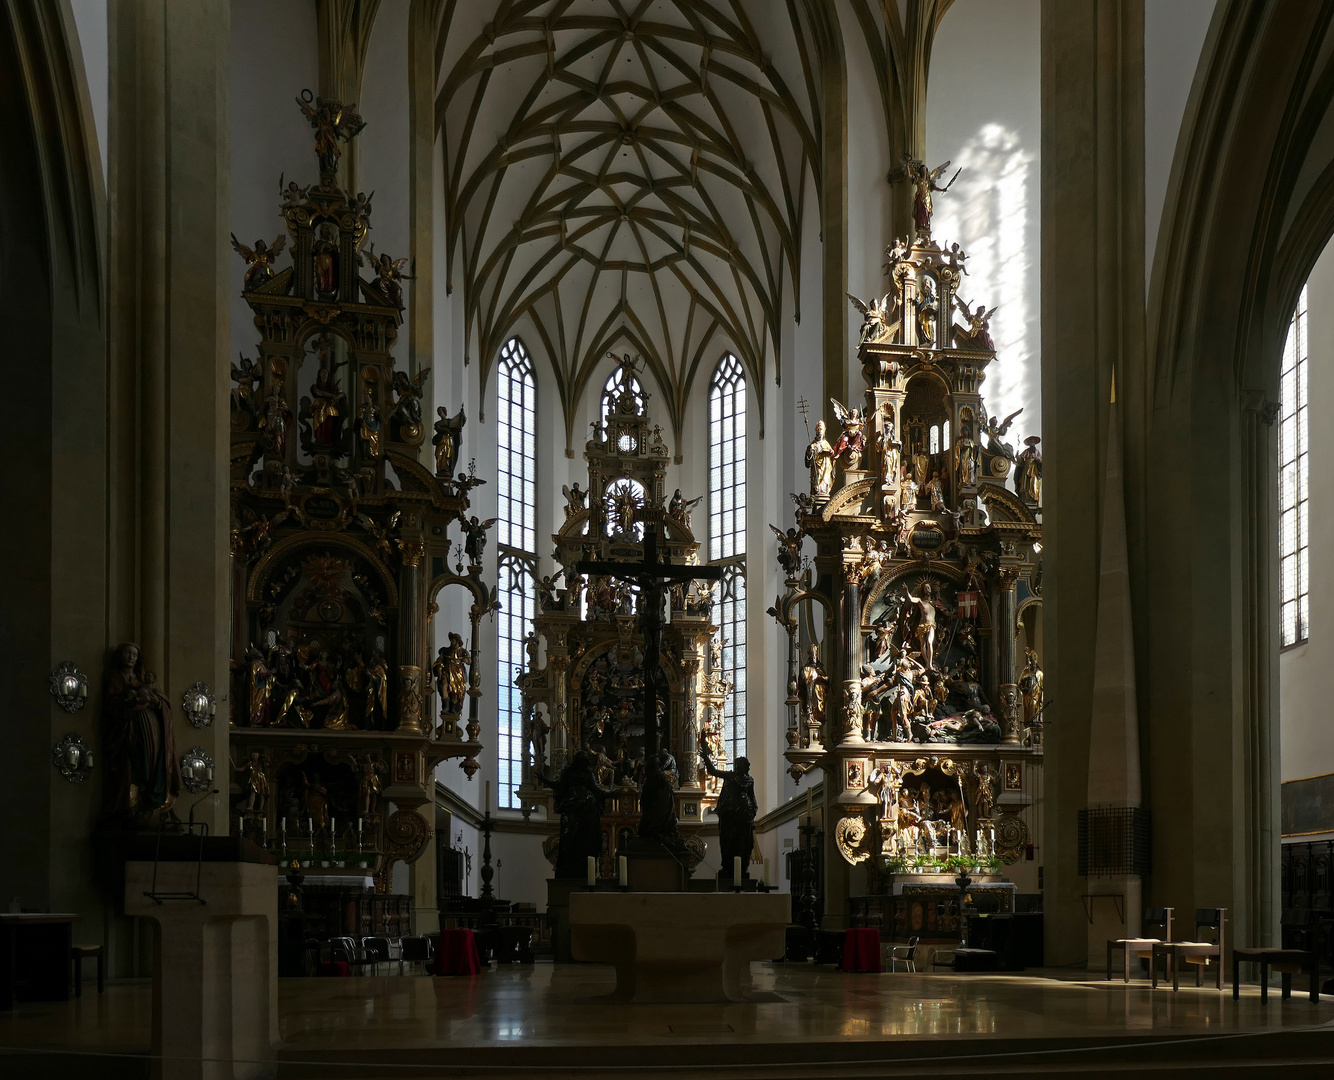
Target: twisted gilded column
<point>1007,677</point>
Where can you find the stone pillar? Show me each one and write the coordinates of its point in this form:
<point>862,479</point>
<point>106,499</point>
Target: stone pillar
<point>1007,677</point>
<point>171,270</point>
<point>1260,739</point>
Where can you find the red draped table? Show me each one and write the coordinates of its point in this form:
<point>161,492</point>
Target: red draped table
<point>457,954</point>
<point>861,950</point>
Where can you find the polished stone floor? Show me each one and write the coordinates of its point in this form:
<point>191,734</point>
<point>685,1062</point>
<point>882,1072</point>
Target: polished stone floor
<point>547,1017</point>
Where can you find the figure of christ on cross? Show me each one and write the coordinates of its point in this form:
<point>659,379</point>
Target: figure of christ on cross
<point>657,810</point>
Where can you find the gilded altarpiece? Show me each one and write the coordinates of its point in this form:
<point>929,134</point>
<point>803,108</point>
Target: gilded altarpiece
<point>911,681</point>
<point>341,548</point>
<point>583,686</point>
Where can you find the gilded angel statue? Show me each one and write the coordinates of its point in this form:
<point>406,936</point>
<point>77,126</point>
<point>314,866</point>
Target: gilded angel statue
<point>976,333</point>
<point>389,274</point>
<point>259,261</point>
<point>852,440</point>
<point>875,317</point>
<point>924,183</point>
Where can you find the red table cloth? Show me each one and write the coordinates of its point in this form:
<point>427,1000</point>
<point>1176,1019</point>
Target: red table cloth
<point>458,953</point>
<point>336,968</point>
<point>861,950</point>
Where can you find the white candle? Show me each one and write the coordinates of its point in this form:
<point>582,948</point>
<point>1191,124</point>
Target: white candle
<point>284,827</point>
<point>810,804</point>
<point>486,806</point>
<point>592,871</point>
<point>623,868</point>
<point>263,832</point>
<point>736,869</point>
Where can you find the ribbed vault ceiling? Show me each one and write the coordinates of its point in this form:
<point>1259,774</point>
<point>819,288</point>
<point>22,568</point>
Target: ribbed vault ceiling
<point>629,175</point>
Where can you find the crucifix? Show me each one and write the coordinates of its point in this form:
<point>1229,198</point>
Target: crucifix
<point>652,576</point>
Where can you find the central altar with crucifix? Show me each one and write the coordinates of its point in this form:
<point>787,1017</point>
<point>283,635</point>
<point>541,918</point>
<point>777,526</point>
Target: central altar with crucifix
<point>624,677</point>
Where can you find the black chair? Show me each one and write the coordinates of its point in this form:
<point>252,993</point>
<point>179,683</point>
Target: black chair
<point>418,950</point>
<point>829,947</point>
<point>1142,946</point>
<point>77,953</point>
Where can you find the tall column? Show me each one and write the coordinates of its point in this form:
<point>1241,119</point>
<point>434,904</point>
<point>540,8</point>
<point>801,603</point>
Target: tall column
<point>1093,319</point>
<point>170,271</point>
<point>1260,739</point>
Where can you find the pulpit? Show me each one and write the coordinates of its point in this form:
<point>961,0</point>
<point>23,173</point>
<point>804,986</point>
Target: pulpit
<point>215,958</point>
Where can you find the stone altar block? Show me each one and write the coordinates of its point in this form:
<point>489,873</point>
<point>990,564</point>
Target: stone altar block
<point>215,964</point>
<point>678,947</point>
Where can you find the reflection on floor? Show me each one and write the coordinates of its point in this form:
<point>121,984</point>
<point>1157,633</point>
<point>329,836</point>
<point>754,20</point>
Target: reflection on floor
<point>815,1022</point>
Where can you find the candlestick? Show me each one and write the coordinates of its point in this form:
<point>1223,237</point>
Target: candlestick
<point>487,805</point>
<point>592,871</point>
<point>623,870</point>
<point>810,802</point>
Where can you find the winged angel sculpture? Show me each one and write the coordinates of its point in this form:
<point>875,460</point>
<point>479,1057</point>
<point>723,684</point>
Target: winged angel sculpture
<point>259,261</point>
<point>924,183</point>
<point>852,439</point>
<point>875,318</point>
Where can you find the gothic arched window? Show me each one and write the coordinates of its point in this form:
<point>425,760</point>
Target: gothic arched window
<point>727,535</point>
<point>1293,482</point>
<point>516,535</point>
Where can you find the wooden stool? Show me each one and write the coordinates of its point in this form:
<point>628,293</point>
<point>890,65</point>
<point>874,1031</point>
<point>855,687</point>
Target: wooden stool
<point>77,953</point>
<point>1285,961</point>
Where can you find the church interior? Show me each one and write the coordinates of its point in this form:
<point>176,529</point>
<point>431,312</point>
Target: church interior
<point>703,537</point>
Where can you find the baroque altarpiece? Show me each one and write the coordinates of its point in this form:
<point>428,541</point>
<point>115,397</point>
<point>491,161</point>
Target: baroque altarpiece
<point>907,685</point>
<point>584,684</point>
<point>341,548</point>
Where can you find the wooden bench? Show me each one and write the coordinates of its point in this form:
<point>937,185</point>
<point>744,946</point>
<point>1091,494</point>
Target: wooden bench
<point>1286,962</point>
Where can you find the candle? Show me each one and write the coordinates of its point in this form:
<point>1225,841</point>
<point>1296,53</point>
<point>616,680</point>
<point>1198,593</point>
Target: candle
<point>592,871</point>
<point>736,868</point>
<point>486,806</point>
<point>623,868</point>
<point>284,828</point>
<point>263,832</point>
<point>810,805</point>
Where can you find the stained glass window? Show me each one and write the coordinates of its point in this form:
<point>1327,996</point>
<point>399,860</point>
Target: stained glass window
<point>516,534</point>
<point>1294,573</point>
<point>727,535</point>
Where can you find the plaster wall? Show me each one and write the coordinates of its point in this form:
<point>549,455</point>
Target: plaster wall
<point>1306,734</point>
<point>274,56</point>
<point>382,149</point>
<point>984,116</point>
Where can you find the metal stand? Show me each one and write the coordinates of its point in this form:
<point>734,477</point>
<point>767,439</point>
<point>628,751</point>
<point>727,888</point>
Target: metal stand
<point>161,897</point>
<point>806,903</point>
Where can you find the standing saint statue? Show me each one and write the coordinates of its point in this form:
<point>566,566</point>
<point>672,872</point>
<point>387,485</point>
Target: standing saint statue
<point>736,812</point>
<point>925,631</point>
<point>143,772</point>
<point>579,799</point>
<point>1030,686</point>
<point>814,685</point>
<point>820,460</point>
<point>1028,472</point>
<point>967,457</point>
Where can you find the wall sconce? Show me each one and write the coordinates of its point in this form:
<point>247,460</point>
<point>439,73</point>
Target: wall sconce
<point>197,770</point>
<point>73,757</point>
<point>199,705</point>
<point>69,686</point>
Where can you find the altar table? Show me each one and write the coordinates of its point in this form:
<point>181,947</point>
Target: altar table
<point>678,947</point>
<point>35,948</point>
<point>861,950</point>
<point>457,953</point>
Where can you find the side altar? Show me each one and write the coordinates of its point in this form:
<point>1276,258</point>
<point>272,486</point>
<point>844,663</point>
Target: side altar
<point>914,678</point>
<point>341,549</point>
<point>587,688</point>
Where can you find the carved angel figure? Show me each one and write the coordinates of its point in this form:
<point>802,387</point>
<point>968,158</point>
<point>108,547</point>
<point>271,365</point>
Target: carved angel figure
<point>789,550</point>
<point>409,391</point>
<point>332,120</point>
<point>576,499</point>
<point>474,542</point>
<point>389,274</point>
<point>924,184</point>
<point>259,261</point>
<point>852,439</point>
<point>993,431</point>
<point>875,317</point>
<point>976,333</point>
<point>246,373</point>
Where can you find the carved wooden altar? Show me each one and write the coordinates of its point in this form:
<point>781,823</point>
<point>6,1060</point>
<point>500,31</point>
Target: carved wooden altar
<point>583,687</point>
<point>341,545</point>
<point>904,672</point>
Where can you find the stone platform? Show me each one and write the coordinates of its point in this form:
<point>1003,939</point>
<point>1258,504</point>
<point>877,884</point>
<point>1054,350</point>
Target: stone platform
<point>678,947</point>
